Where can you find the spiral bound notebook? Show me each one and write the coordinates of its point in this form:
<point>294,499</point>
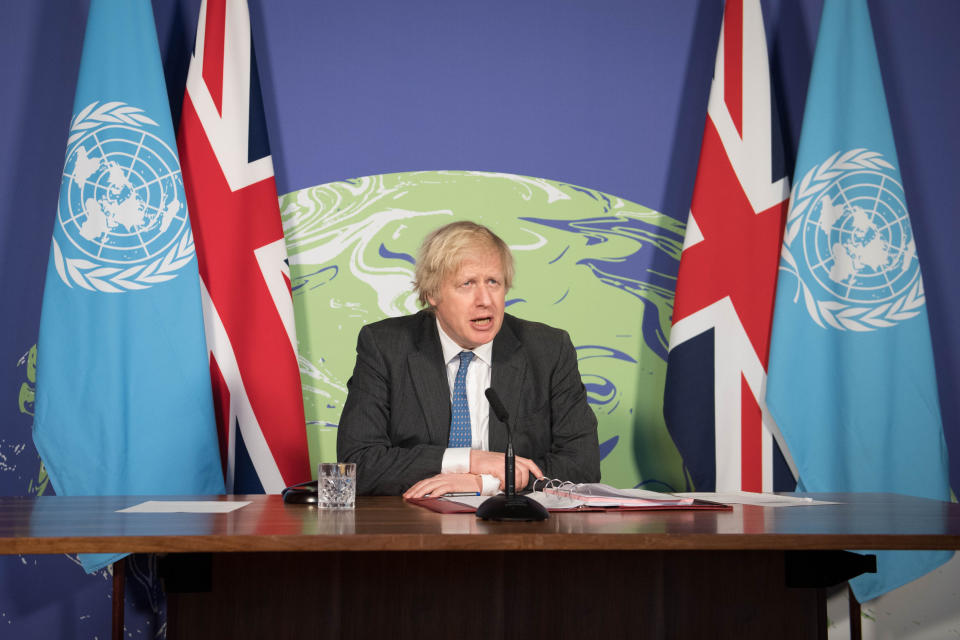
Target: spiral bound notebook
<point>557,495</point>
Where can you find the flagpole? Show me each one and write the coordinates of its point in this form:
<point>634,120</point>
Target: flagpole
<point>856,632</point>
<point>119,589</point>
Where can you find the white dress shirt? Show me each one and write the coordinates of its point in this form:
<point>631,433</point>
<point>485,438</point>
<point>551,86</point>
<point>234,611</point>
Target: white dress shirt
<point>457,460</point>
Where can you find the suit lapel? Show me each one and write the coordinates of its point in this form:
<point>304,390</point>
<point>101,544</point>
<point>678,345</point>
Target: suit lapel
<point>509,369</point>
<point>428,374</point>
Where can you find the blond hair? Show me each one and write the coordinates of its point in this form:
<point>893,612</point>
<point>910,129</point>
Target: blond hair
<point>443,250</point>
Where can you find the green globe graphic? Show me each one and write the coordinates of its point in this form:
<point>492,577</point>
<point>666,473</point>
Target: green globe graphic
<point>597,265</point>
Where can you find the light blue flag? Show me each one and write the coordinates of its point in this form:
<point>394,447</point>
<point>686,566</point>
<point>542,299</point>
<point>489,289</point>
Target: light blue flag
<point>123,400</point>
<point>851,380</point>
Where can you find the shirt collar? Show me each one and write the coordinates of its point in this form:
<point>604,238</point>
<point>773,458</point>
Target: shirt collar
<point>452,350</point>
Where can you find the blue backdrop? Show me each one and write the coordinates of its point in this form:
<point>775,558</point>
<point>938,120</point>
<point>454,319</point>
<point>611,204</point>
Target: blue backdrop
<point>609,95</point>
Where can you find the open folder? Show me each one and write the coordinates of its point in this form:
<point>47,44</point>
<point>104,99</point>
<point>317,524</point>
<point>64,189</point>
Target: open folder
<point>566,496</point>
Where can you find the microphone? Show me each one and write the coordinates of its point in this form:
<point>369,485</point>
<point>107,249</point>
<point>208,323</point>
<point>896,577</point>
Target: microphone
<point>510,460</point>
<point>509,506</point>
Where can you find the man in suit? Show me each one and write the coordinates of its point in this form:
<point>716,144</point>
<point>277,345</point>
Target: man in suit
<point>416,421</point>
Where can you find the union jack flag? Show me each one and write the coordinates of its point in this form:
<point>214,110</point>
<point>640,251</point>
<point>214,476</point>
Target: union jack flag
<point>723,310</point>
<point>248,308</point>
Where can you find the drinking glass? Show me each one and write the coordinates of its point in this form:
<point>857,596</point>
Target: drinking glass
<point>336,485</point>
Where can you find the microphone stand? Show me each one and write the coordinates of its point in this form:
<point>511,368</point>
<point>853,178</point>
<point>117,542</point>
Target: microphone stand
<point>509,506</point>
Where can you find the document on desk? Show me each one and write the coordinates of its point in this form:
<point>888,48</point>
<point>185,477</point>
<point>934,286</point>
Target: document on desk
<point>756,499</point>
<point>185,506</point>
<point>598,498</point>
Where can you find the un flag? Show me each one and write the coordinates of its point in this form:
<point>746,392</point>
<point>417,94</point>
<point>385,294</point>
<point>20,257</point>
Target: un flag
<point>123,401</point>
<point>851,380</point>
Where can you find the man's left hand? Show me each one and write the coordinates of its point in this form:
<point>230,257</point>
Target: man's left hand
<point>444,483</point>
<point>491,463</point>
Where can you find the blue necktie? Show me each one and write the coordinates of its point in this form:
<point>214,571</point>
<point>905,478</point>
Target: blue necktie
<point>460,433</point>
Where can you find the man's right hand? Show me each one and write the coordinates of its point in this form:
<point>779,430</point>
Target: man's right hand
<point>492,463</point>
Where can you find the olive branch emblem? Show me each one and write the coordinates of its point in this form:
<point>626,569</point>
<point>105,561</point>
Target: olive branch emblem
<point>108,113</point>
<point>98,277</point>
<point>110,279</point>
<point>840,315</point>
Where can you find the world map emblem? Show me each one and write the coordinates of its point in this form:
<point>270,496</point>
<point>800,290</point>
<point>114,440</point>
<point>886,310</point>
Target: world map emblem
<point>122,209</point>
<point>849,242</point>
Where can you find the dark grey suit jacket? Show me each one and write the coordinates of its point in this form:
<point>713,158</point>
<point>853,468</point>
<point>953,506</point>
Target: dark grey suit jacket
<point>396,421</point>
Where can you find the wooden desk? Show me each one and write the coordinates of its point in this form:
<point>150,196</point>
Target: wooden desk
<point>654,574</point>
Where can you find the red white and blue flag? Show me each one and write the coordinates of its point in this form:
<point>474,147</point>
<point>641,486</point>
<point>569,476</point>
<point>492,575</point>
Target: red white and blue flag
<point>722,314</point>
<point>248,308</point>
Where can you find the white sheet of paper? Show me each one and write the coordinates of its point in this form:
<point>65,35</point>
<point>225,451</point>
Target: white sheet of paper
<point>756,499</point>
<point>185,506</point>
